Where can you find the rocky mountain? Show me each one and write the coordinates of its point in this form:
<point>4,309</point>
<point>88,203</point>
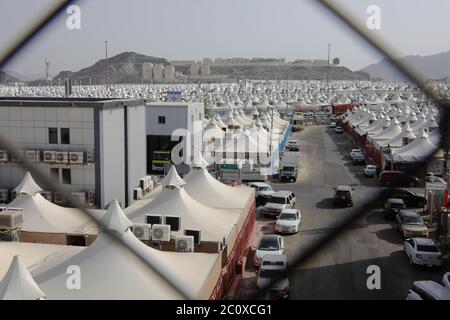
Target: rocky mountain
<point>435,66</point>
<point>125,67</point>
<point>289,72</point>
<point>5,77</point>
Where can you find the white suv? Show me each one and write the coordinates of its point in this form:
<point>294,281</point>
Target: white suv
<point>278,202</point>
<point>288,221</point>
<point>428,290</point>
<point>263,190</point>
<point>273,272</point>
<point>355,152</point>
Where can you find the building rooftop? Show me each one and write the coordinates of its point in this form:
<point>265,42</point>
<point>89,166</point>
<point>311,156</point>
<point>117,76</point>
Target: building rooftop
<point>68,102</point>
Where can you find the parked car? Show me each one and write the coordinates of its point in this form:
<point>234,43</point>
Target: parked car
<point>370,170</point>
<point>359,159</point>
<point>273,272</point>
<point>397,178</point>
<point>392,207</point>
<point>343,195</point>
<point>293,145</point>
<point>333,124</point>
<point>446,280</point>
<point>355,152</point>
<point>288,221</point>
<point>428,290</point>
<point>411,198</point>
<point>288,173</point>
<point>268,244</point>
<point>279,201</point>
<point>338,130</point>
<point>263,191</point>
<point>410,224</point>
<point>422,251</point>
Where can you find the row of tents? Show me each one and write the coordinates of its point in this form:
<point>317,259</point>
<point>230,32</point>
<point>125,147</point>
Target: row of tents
<point>117,265</point>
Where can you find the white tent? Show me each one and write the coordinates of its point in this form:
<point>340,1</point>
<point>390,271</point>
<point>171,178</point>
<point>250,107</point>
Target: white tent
<point>18,284</point>
<point>27,185</point>
<point>418,150</point>
<point>205,189</point>
<point>393,130</point>
<point>111,270</point>
<point>398,140</point>
<point>41,215</point>
<point>214,224</point>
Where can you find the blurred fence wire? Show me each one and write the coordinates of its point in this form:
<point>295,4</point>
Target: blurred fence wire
<point>350,22</point>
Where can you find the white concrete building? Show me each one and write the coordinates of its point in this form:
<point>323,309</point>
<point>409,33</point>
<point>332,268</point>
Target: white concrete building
<point>169,72</point>
<point>94,147</point>
<point>162,119</point>
<point>158,71</point>
<point>147,71</point>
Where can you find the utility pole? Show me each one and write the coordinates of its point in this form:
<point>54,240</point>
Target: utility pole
<point>328,67</point>
<point>106,64</point>
<point>47,70</point>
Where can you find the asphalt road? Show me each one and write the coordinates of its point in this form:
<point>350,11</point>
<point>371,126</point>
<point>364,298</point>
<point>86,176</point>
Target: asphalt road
<point>339,270</point>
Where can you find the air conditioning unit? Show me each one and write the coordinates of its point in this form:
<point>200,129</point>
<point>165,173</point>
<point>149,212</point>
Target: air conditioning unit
<point>142,231</point>
<point>153,219</point>
<point>58,198</point>
<point>145,183</point>
<point>62,157</point>
<point>4,195</point>
<point>14,158</point>
<point>32,155</point>
<point>79,197</point>
<point>184,244</point>
<point>173,221</point>
<point>11,217</point>
<point>90,157</point>
<point>195,233</point>
<point>161,232</point>
<point>47,195</point>
<point>76,157</point>
<point>49,156</point>
<point>3,156</point>
<point>137,193</point>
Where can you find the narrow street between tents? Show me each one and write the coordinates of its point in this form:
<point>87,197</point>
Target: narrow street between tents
<point>340,269</point>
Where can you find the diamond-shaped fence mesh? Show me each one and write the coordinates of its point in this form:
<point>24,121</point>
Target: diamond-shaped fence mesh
<point>300,257</point>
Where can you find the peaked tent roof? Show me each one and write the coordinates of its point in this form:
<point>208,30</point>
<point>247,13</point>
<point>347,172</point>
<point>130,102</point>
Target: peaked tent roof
<point>418,150</point>
<point>134,277</point>
<point>27,185</point>
<point>115,220</point>
<point>214,224</point>
<point>17,284</point>
<point>172,179</point>
<point>205,189</point>
<point>41,215</point>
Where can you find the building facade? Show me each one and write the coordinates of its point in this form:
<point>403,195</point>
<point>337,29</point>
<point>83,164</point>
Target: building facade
<point>92,147</point>
<point>168,119</point>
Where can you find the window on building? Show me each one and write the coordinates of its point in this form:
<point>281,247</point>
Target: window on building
<point>66,176</point>
<point>65,136</point>
<point>161,119</point>
<point>199,116</point>
<point>53,135</point>
<point>54,174</point>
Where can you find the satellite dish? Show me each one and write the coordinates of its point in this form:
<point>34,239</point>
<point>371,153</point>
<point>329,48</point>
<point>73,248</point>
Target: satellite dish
<point>336,61</point>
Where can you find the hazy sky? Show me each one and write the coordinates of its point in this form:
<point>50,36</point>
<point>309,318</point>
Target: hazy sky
<point>193,29</point>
